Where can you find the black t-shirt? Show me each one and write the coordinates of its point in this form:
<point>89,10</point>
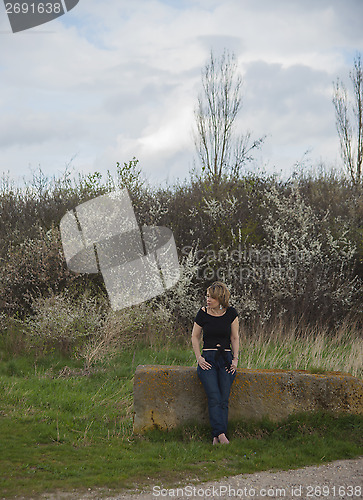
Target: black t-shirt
<point>216,329</point>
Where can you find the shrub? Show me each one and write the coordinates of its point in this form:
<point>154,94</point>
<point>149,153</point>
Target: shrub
<point>62,323</point>
<point>290,250</point>
<point>308,269</point>
<point>31,269</point>
<point>304,269</point>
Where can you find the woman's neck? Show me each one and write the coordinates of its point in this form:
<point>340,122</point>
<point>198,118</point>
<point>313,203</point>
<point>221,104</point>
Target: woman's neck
<point>217,311</point>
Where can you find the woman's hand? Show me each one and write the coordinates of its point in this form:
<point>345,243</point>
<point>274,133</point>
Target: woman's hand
<point>204,364</point>
<point>233,366</point>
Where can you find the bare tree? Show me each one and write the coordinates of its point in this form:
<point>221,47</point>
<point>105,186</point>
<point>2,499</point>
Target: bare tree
<point>349,121</point>
<point>219,148</point>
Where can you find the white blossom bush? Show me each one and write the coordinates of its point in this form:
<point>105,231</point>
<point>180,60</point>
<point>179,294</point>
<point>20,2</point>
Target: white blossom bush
<point>60,322</point>
<point>287,251</point>
<point>219,210</point>
<point>305,268</point>
<point>181,302</point>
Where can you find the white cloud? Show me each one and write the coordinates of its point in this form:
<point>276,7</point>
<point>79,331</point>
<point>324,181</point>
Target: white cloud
<point>112,80</point>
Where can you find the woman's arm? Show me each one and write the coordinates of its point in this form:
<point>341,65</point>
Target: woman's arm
<point>196,337</point>
<point>235,343</point>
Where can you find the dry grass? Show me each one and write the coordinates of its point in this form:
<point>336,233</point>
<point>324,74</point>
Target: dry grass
<point>94,334</point>
<point>304,348</point>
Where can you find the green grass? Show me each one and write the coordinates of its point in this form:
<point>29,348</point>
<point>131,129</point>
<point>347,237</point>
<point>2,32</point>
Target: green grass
<point>34,461</point>
<point>62,430</point>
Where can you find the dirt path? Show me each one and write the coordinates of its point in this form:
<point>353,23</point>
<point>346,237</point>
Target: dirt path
<point>340,480</point>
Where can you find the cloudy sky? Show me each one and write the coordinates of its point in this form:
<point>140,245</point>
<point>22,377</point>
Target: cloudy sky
<point>116,79</point>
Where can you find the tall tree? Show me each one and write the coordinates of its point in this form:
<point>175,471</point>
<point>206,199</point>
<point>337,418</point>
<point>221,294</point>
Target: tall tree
<point>220,150</point>
<point>349,121</point>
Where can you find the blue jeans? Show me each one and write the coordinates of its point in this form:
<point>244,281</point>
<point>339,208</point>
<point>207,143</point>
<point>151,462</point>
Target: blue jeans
<point>217,384</point>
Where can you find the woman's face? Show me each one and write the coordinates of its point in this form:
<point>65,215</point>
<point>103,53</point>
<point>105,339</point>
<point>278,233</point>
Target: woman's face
<point>211,302</point>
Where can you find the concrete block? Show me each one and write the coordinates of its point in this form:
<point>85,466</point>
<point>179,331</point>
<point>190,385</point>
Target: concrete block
<point>168,396</point>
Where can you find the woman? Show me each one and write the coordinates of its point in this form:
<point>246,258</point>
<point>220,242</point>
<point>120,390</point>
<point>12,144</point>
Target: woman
<point>218,363</point>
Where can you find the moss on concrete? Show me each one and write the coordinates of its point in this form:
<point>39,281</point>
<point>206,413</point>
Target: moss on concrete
<point>168,396</point>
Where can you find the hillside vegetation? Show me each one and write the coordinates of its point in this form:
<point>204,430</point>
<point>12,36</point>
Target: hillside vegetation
<point>291,252</point>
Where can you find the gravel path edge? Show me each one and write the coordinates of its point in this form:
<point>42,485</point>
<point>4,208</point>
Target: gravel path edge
<point>338,480</point>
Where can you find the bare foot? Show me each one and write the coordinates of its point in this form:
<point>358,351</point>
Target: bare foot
<point>223,439</point>
<point>215,440</point>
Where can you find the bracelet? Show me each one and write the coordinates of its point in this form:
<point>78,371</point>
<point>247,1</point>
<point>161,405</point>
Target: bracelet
<point>235,357</point>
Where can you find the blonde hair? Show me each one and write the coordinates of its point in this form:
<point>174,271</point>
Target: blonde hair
<point>219,291</point>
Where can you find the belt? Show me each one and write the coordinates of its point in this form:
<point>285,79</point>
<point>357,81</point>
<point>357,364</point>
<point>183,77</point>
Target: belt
<point>221,352</point>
